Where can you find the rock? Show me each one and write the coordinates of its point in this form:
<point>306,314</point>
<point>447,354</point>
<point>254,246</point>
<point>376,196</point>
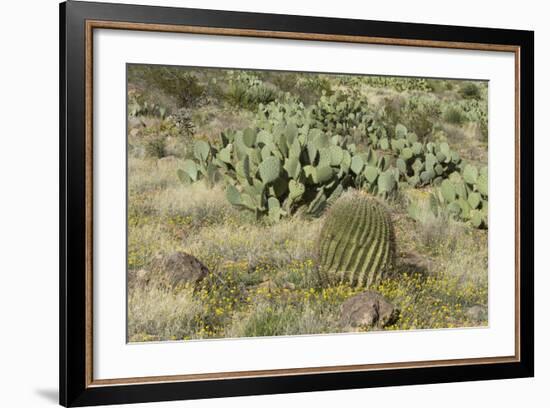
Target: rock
<point>134,123</point>
<point>267,284</point>
<point>181,268</point>
<point>140,278</point>
<point>143,276</point>
<point>167,160</point>
<point>477,313</point>
<point>289,286</point>
<point>411,262</point>
<point>367,310</point>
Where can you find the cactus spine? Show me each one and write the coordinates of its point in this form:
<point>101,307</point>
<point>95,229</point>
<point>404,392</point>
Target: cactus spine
<point>356,242</point>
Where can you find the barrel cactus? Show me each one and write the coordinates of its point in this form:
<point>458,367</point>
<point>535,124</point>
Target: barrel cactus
<point>357,243</point>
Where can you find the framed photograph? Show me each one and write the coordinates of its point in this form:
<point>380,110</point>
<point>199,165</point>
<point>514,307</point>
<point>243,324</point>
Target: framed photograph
<point>257,204</point>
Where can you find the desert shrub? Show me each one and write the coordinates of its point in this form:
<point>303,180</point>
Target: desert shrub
<point>440,85</point>
<point>183,121</point>
<point>420,114</point>
<point>138,105</point>
<point>398,84</point>
<point>313,87</point>
<point>430,229</point>
<point>476,111</point>
<point>453,115</point>
<point>158,138</point>
<point>470,90</point>
<point>389,113</point>
<point>180,83</point>
<point>142,103</point>
<point>247,91</point>
<point>284,81</point>
<point>307,88</point>
<point>463,111</point>
<point>155,146</point>
<point>260,94</point>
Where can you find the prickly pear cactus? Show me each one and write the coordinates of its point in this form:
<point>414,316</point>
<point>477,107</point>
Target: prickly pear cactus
<point>357,242</point>
<point>465,196</point>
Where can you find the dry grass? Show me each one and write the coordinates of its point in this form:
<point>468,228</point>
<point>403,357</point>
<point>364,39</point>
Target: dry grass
<point>155,313</point>
<point>284,319</point>
<point>257,244</point>
<point>211,121</point>
<point>267,282</point>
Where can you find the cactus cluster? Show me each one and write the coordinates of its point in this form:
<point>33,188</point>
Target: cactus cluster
<point>246,90</point>
<point>419,164</point>
<point>202,167</point>
<point>274,172</point>
<point>342,112</point>
<point>399,84</point>
<point>396,83</point>
<point>299,158</point>
<point>356,244</point>
<point>465,196</point>
<point>374,173</point>
<point>139,107</point>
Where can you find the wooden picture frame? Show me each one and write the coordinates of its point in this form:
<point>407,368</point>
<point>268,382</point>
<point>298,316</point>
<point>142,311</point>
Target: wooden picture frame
<point>78,20</point>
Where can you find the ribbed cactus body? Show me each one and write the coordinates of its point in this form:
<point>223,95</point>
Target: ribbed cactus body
<point>357,242</point>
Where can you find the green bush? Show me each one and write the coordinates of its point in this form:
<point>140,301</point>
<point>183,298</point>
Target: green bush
<point>177,82</point>
<point>158,136</point>
<point>398,84</point>
<point>454,115</point>
<point>138,105</point>
<point>312,87</point>
<point>306,88</point>
<point>183,121</point>
<point>470,90</point>
<point>247,91</point>
<point>440,85</point>
<point>420,114</point>
<point>156,146</point>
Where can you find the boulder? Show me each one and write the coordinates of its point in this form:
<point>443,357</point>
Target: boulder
<point>167,161</point>
<point>477,313</point>
<point>367,310</point>
<point>180,268</point>
<point>140,278</point>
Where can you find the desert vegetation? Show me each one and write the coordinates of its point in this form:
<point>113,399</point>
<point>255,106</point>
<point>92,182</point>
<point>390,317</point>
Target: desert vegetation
<point>267,203</point>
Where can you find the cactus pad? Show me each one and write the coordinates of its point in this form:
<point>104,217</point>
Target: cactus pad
<point>269,169</point>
